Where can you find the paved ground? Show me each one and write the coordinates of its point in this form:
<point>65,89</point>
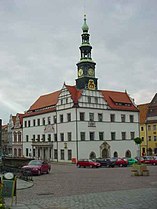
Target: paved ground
<point>68,187</point>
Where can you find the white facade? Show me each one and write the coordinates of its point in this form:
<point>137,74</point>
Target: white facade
<point>89,118</point>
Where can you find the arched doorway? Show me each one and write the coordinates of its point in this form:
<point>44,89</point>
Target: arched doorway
<point>105,153</point>
<point>92,155</point>
<point>105,150</point>
<point>128,153</point>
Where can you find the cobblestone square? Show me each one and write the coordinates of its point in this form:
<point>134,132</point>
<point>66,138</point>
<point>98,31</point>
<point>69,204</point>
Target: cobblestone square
<point>70,187</point>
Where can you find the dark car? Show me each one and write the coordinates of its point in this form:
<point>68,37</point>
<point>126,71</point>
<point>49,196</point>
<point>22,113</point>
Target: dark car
<point>87,163</point>
<point>105,162</point>
<point>36,167</point>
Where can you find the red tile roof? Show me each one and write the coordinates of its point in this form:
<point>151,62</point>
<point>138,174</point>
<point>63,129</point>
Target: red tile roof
<point>143,108</point>
<point>115,100</point>
<point>47,100</point>
<point>44,111</point>
<point>118,100</point>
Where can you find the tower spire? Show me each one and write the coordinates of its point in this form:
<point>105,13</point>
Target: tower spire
<point>86,66</point>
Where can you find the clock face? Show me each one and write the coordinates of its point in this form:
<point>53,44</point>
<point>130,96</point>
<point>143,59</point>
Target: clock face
<point>90,71</point>
<point>80,72</point>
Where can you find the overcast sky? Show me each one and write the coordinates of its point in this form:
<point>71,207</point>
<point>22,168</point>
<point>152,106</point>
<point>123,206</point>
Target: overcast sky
<point>39,48</point>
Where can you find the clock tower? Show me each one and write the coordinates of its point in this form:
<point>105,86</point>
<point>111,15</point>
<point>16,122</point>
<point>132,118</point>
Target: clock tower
<point>86,66</point>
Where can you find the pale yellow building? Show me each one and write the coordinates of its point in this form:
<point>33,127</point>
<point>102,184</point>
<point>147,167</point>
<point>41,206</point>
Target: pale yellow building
<point>148,127</point>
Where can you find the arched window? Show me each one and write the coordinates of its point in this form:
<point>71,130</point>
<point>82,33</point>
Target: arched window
<point>115,154</point>
<point>128,153</point>
<point>92,155</point>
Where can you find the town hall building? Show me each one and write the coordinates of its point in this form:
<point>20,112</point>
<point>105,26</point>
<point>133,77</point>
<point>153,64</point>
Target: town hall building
<point>81,121</point>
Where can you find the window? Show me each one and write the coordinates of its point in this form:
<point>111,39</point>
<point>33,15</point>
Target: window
<point>112,117</point>
<point>27,138</point>
<point>43,137</point>
<point>96,100</point>
<point>49,137</point>
<point>142,139</point>
<point>49,120</point>
<point>61,118</point>
<point>100,117</point>
<point>38,137</point>
<point>122,118</point>
<point>38,122</point>
<point>82,135</point>
<point>149,128</point>
<point>91,116</point>
<point>25,123</point>
<point>19,136</point>
<point>62,137</point>
<point>154,127</point>
<point>34,137</point>
<point>43,121</point>
<point>29,123</point>
<point>131,118</point>
<point>69,154</point>
<point>101,136</point>
<point>149,138</point>
<point>27,152</point>
<point>82,116</point>
<point>15,137</point>
<point>68,117</point>
<point>132,135</point>
<point>55,154</point>
<point>62,154</point>
<point>55,119</point>
<point>142,128</point>
<point>34,122</point>
<point>154,138</point>
<point>123,135</point>
<point>91,136</point>
<point>55,137</point>
<point>69,136</point>
<point>113,135</point>
<point>89,99</point>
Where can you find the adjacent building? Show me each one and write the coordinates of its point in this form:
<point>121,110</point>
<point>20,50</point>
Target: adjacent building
<point>81,121</point>
<point>17,134</point>
<point>148,127</point>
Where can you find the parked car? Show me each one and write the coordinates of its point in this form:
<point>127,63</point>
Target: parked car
<point>131,161</point>
<point>105,162</point>
<point>87,163</point>
<point>36,167</point>
<point>152,160</point>
<point>121,162</point>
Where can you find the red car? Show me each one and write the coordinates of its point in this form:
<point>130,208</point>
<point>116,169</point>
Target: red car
<point>121,162</point>
<point>152,160</point>
<point>87,163</point>
<point>36,167</point>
